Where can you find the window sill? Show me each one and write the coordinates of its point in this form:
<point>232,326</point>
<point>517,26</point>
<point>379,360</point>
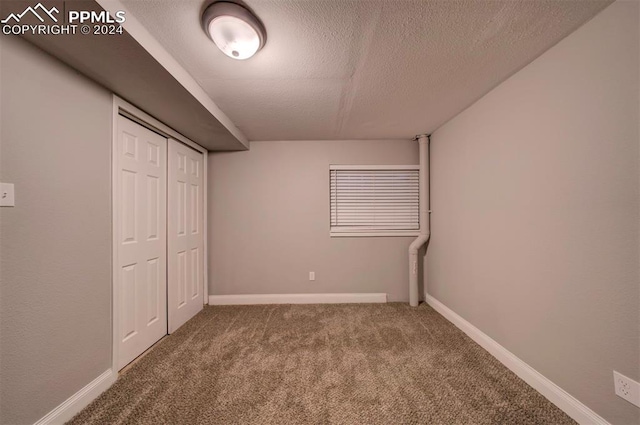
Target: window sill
<point>374,234</point>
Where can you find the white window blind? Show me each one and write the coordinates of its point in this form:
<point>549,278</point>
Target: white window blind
<point>372,200</point>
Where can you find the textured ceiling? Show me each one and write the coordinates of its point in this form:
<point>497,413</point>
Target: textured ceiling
<point>362,69</point>
<point>124,67</point>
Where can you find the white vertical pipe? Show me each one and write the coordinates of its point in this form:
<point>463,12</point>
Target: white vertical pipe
<point>423,237</point>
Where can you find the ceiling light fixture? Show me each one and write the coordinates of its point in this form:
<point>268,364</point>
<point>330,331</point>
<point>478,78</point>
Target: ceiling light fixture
<point>234,29</point>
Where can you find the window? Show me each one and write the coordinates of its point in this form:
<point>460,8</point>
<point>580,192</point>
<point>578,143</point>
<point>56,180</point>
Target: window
<point>374,200</point>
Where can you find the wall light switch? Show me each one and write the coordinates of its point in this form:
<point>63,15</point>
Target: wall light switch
<point>7,196</point>
<point>312,275</point>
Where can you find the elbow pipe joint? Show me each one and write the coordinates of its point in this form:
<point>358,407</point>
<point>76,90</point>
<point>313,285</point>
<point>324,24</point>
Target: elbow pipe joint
<point>417,243</point>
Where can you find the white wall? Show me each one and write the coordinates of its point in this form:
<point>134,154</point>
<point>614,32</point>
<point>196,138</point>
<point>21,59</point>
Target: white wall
<point>269,222</point>
<point>55,248</point>
<point>535,224</point>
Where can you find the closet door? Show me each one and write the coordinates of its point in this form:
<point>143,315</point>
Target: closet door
<point>141,234</point>
<point>186,236</point>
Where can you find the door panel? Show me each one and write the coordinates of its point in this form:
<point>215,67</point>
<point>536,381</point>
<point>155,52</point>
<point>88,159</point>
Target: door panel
<point>185,235</point>
<point>142,254</point>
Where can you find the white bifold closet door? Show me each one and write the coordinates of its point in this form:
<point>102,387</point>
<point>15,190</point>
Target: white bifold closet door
<point>141,178</point>
<point>185,234</point>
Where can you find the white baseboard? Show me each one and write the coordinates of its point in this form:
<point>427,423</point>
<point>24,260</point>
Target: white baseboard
<point>565,401</point>
<point>74,404</point>
<point>296,299</point>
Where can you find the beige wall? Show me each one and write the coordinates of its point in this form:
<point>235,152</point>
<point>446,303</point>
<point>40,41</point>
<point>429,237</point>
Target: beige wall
<point>535,212</point>
<point>55,245</point>
<point>269,222</point>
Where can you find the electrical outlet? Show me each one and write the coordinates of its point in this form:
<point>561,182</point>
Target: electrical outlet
<point>312,275</point>
<point>7,195</point>
<point>627,388</point>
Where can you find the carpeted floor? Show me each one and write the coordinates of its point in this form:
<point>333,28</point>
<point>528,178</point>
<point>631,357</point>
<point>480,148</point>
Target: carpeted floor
<point>319,364</point>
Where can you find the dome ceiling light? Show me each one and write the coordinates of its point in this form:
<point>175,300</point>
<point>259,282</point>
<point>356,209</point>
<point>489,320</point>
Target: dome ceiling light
<point>234,29</point>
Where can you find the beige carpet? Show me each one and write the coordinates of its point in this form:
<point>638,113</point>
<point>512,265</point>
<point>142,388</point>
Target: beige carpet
<point>319,364</point>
